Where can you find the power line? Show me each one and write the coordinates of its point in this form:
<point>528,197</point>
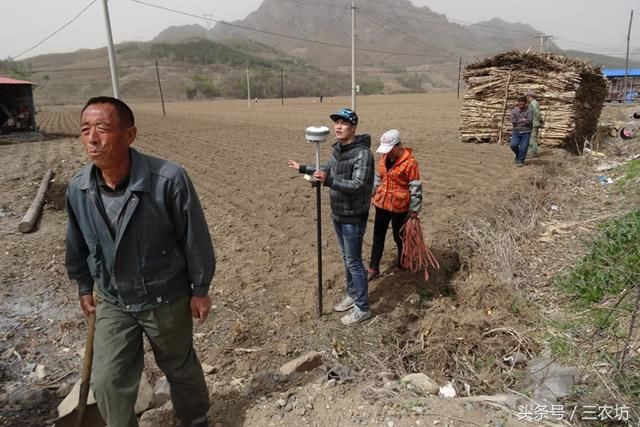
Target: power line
<point>380,24</point>
<point>424,16</point>
<point>421,16</point>
<point>242,27</point>
<point>585,44</point>
<point>498,29</point>
<point>55,32</point>
<point>430,19</point>
<point>325,4</point>
<point>368,12</point>
<point>417,27</point>
<point>286,36</point>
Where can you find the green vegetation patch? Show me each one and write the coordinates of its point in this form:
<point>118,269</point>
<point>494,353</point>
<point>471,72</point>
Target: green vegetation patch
<point>203,86</point>
<point>205,52</point>
<point>412,81</point>
<point>15,70</point>
<point>612,265</point>
<point>603,290</point>
<point>370,87</point>
<point>631,171</point>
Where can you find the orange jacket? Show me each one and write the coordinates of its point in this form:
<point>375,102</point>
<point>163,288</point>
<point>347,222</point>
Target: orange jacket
<point>398,189</point>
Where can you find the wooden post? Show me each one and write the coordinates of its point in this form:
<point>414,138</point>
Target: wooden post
<point>30,218</point>
<point>248,90</point>
<point>459,73</point>
<point>504,108</point>
<point>281,86</point>
<point>160,87</point>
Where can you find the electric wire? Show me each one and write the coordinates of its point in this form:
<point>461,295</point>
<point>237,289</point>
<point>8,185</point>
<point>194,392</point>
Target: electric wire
<point>381,25</point>
<point>55,32</point>
<point>422,17</point>
<point>369,13</point>
<point>286,36</point>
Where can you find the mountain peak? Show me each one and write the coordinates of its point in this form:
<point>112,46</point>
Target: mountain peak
<point>388,32</point>
<point>181,32</point>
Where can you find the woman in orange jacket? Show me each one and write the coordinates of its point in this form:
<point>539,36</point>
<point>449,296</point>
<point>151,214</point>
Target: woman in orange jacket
<point>397,194</point>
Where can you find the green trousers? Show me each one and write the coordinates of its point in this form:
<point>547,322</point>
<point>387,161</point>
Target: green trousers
<point>118,360</point>
<point>533,141</point>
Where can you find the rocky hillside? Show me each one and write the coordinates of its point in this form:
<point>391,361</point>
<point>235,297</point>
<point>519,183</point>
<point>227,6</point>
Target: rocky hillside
<point>191,69</point>
<point>417,34</point>
<point>181,33</point>
<point>499,35</point>
<point>401,48</point>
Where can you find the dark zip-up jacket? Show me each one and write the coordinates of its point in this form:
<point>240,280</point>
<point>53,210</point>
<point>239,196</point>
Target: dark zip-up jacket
<point>162,248</point>
<point>350,171</point>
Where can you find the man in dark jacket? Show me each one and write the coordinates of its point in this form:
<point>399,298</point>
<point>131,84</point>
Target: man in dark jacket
<point>349,174</point>
<point>137,231</point>
<point>522,120</point>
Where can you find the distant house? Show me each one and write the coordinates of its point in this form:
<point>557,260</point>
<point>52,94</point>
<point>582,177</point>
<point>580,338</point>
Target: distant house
<point>615,76</point>
<point>16,101</point>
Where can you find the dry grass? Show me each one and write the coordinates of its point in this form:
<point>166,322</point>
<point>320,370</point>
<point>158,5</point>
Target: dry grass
<point>496,243</point>
<point>501,297</point>
<point>466,338</point>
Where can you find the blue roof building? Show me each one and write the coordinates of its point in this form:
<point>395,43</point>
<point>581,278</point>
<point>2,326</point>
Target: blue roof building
<point>610,73</point>
<point>618,91</point>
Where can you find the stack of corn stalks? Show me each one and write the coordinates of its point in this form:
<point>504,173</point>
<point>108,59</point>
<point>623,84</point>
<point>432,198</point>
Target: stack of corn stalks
<point>570,93</point>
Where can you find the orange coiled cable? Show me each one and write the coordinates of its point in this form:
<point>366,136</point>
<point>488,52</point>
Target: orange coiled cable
<point>416,255</point>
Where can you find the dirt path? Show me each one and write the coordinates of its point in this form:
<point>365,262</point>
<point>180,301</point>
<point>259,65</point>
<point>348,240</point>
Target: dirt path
<point>261,216</point>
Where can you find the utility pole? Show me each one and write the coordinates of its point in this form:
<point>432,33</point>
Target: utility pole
<point>112,54</point>
<point>248,90</point>
<point>281,86</point>
<point>208,18</point>
<point>353,55</point>
<point>626,64</point>
<point>459,73</point>
<point>543,40</point>
<point>541,36</point>
<point>160,87</point>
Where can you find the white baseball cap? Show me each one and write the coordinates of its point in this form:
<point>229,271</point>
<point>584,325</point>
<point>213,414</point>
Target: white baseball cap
<point>388,140</point>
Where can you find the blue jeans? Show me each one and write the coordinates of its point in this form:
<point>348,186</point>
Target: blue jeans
<point>520,145</point>
<point>350,238</point>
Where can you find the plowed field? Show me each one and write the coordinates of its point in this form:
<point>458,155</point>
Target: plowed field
<point>261,215</point>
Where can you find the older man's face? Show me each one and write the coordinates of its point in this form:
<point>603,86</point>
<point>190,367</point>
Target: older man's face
<point>105,139</point>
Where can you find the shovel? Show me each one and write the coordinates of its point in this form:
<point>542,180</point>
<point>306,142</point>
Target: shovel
<point>84,415</point>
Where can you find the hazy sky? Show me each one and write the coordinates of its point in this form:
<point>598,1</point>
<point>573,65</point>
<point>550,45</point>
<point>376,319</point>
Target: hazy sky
<point>590,25</point>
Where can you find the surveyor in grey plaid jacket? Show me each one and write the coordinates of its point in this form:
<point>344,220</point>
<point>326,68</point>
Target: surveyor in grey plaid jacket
<point>349,174</point>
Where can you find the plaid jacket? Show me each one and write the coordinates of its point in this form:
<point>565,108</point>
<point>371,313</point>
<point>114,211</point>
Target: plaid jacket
<point>522,120</point>
<point>350,171</point>
<point>398,189</point>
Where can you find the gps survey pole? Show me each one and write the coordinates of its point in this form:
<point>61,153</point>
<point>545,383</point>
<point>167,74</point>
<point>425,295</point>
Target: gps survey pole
<point>317,135</point>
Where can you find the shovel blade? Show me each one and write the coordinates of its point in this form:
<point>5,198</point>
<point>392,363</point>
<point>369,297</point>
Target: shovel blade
<point>92,418</point>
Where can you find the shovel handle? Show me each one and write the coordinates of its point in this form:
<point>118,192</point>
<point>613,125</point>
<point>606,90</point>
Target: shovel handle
<point>86,368</point>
